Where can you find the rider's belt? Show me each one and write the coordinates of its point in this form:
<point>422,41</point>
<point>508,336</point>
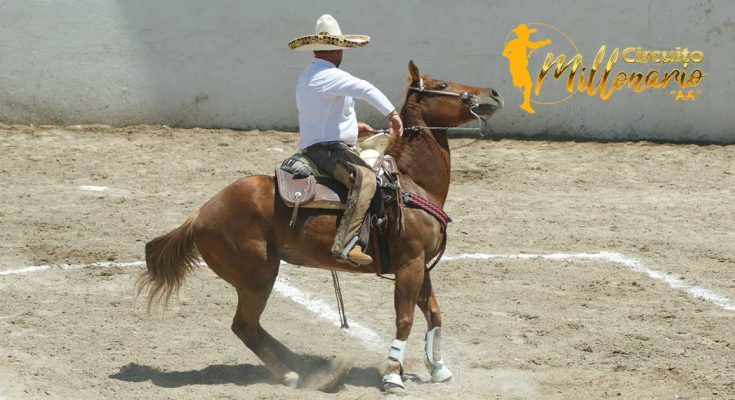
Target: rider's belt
<point>326,145</point>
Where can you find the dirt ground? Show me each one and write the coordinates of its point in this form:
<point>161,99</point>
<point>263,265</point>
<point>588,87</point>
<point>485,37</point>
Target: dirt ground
<point>513,328</point>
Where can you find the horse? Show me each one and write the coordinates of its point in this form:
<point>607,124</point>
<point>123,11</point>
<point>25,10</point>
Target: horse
<point>243,234</point>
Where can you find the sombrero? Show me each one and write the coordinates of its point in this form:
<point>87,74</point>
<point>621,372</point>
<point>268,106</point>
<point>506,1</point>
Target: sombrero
<point>521,29</point>
<point>328,37</point>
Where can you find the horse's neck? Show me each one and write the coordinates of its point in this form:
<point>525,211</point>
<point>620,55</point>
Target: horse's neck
<point>421,157</point>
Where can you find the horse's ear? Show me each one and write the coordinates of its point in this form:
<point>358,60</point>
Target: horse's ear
<point>414,70</point>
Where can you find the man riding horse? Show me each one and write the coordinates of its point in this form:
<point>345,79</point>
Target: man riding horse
<point>245,231</point>
<point>329,128</point>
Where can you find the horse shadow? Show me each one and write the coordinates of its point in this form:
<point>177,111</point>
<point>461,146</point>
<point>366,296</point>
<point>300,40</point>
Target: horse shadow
<point>241,375</point>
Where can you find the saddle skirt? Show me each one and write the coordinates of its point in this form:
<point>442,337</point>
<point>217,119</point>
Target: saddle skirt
<point>308,193</point>
<point>322,191</point>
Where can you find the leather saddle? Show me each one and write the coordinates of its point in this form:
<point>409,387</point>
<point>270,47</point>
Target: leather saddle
<point>321,191</point>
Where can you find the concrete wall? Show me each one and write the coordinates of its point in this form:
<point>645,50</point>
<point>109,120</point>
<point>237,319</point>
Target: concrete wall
<point>225,63</point>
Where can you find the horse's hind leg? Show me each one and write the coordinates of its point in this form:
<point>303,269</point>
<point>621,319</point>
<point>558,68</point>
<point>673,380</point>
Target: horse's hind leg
<point>252,270</point>
<point>251,301</point>
<point>432,358</point>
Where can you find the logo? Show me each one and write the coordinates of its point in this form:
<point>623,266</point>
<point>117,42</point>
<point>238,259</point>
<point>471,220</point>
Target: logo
<point>598,78</point>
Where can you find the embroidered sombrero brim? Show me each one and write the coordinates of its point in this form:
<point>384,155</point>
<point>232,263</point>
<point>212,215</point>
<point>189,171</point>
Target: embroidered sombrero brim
<point>324,42</point>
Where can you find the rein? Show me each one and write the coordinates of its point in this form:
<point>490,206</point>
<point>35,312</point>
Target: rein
<point>418,128</point>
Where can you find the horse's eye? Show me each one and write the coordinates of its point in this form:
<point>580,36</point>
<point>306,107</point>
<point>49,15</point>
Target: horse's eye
<point>442,86</point>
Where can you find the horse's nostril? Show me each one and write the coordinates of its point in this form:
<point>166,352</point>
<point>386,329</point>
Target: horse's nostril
<point>495,94</point>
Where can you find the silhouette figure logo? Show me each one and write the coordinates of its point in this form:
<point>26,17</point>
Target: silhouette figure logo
<point>518,51</point>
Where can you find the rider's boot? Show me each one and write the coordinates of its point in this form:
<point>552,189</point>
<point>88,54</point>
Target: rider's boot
<point>358,257</point>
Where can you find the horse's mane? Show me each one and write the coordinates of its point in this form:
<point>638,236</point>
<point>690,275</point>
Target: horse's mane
<point>419,154</point>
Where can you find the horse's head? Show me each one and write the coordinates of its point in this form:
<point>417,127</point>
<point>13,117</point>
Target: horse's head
<point>449,104</point>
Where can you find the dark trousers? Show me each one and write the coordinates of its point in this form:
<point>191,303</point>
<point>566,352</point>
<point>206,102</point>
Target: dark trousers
<point>346,166</point>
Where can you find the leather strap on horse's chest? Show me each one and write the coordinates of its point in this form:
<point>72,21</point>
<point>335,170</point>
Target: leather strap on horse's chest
<point>413,200</point>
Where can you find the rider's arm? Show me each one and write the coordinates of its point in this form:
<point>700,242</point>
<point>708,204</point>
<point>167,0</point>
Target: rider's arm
<point>344,84</point>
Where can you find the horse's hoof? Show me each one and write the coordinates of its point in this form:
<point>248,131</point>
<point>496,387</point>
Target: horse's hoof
<point>393,384</point>
<point>291,379</point>
<point>442,374</point>
<point>390,388</point>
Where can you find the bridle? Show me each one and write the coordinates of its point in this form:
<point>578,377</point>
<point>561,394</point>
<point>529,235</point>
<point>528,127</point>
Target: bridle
<point>468,98</point>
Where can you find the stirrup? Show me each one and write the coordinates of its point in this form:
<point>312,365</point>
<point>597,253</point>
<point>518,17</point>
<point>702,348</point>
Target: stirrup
<point>348,247</point>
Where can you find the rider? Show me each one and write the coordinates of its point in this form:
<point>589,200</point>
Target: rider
<point>329,127</point>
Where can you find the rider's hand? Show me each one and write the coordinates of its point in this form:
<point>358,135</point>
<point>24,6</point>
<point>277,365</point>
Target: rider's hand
<point>364,129</point>
<point>396,125</point>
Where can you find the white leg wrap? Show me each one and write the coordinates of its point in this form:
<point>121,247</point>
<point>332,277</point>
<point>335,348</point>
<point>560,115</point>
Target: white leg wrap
<point>433,358</point>
<point>397,349</point>
<point>396,352</point>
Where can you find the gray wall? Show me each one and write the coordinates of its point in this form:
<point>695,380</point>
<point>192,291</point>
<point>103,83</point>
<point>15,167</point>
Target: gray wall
<point>226,64</point>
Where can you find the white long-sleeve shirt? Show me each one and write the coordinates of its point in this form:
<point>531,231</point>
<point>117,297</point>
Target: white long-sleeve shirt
<point>326,109</point>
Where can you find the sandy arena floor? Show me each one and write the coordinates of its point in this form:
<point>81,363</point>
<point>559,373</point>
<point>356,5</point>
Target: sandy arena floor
<point>624,324</point>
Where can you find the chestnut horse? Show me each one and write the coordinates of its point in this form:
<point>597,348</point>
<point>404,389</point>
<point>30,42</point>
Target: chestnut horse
<point>243,232</point>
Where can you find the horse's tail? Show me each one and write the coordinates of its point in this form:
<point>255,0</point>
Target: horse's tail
<point>169,259</point>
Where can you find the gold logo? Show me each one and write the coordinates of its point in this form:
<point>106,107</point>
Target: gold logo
<point>599,80</point>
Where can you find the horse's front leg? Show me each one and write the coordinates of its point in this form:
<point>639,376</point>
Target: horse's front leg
<point>432,358</point>
<point>409,278</point>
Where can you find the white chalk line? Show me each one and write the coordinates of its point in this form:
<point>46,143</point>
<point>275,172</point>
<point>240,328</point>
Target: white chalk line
<point>367,336</point>
<point>93,188</point>
<point>372,339</point>
<point>104,264</point>
<point>25,270</point>
<point>675,282</point>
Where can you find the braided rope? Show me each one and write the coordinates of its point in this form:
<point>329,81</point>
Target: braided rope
<point>413,200</point>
